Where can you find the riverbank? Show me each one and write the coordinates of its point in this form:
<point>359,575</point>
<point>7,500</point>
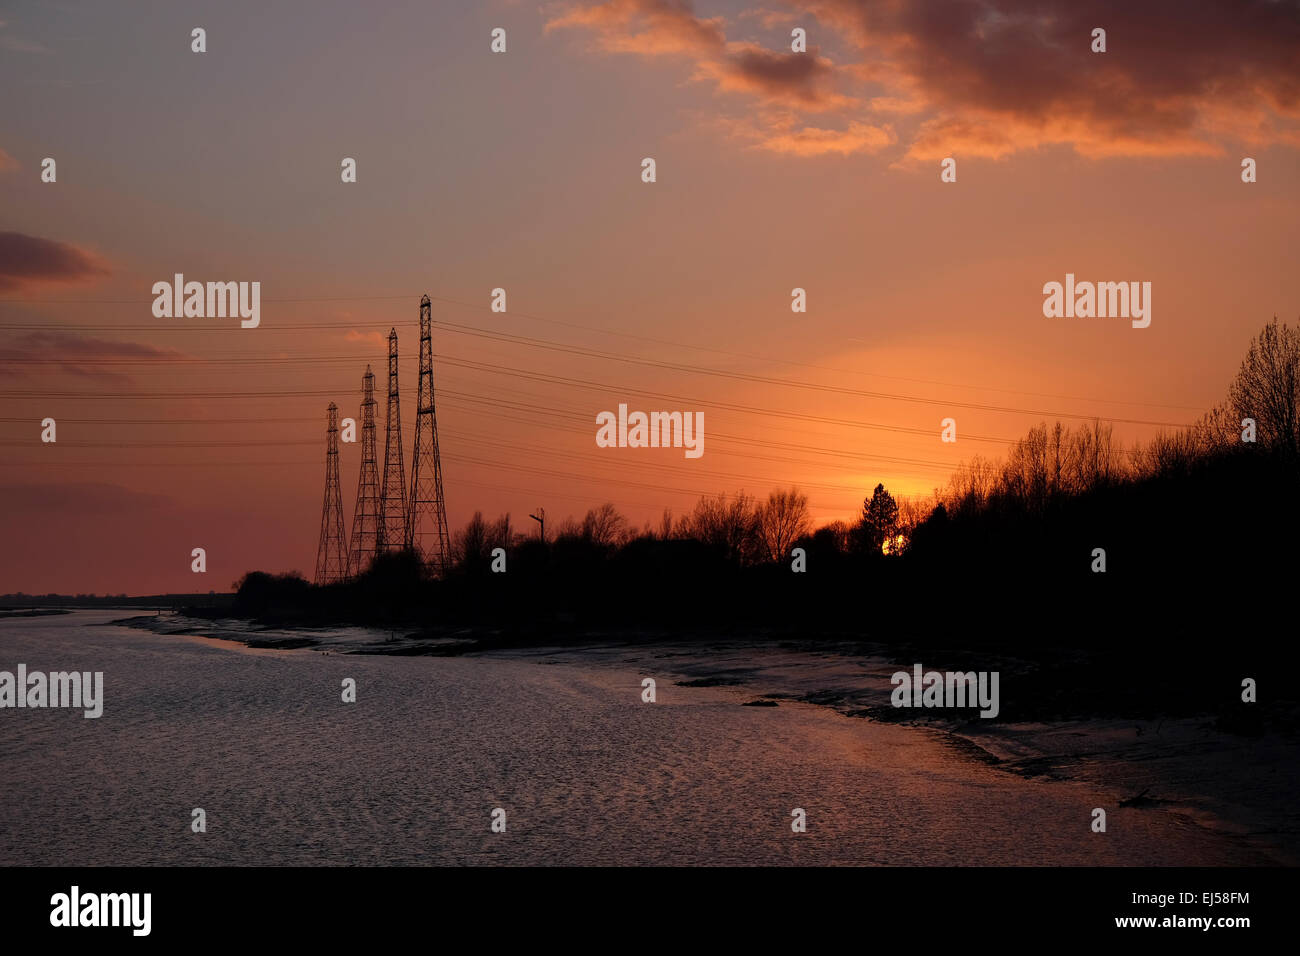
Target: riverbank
<point>31,611</point>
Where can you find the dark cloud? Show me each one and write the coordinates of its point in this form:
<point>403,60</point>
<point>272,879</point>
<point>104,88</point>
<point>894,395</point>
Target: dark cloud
<point>1006,74</point>
<point>803,79</point>
<point>27,260</point>
<point>38,354</point>
<point>79,497</point>
<point>655,28</point>
<point>990,77</point>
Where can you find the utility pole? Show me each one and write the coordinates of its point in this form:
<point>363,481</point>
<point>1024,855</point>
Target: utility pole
<point>540,518</point>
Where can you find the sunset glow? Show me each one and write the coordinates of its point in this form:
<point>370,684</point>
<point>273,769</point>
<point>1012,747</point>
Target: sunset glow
<point>924,298</point>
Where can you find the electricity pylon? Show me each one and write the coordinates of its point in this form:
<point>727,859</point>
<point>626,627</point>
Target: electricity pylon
<point>392,529</point>
<point>331,559</point>
<point>426,521</point>
<point>366,516</point>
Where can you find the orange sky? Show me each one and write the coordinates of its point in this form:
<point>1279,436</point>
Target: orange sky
<point>522,170</point>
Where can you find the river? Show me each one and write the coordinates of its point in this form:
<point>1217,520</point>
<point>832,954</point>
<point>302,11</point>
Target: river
<point>586,773</point>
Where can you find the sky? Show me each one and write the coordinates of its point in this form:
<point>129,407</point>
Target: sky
<point>522,170</point>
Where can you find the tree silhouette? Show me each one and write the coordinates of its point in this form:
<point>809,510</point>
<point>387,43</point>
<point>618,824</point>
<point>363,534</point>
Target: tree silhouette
<point>781,521</point>
<point>471,548</point>
<point>1267,387</point>
<point>879,523</point>
<point>724,523</point>
<point>605,526</point>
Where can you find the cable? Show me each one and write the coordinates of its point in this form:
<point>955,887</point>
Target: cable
<point>533,317</point>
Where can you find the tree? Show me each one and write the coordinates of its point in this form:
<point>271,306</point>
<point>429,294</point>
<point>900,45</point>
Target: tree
<point>605,526</point>
<point>724,522</point>
<point>971,485</point>
<point>1091,459</point>
<point>781,521</point>
<point>501,534</point>
<point>879,523</point>
<point>1267,387</point>
<point>470,547</point>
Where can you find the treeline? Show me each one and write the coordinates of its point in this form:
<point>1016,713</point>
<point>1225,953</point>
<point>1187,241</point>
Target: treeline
<point>1069,534</point>
<point>1221,491</point>
<point>597,569</point>
<point>192,600</point>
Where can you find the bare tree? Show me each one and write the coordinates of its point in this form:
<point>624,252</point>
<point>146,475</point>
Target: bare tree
<point>1167,453</point>
<point>724,521</point>
<point>470,545</point>
<point>1267,387</point>
<point>1091,458</point>
<point>1219,428</point>
<point>605,526</point>
<point>836,536</point>
<point>501,534</point>
<point>781,521</point>
<point>970,485</point>
<point>1059,437</point>
<point>568,528</point>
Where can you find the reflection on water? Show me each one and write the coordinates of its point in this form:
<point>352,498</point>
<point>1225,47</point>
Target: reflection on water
<point>587,773</point>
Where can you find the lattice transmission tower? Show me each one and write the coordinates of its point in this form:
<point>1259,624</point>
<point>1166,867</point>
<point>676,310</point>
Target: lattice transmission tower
<point>426,516</point>
<point>366,516</point>
<point>331,559</point>
<point>392,529</point>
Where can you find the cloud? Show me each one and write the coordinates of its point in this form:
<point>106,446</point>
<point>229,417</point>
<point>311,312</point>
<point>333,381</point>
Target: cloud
<point>815,141</point>
<point>671,28</point>
<point>79,497</point>
<point>986,78</point>
<point>370,338</point>
<point>769,19</point>
<point>7,162</point>
<point>645,27</point>
<point>782,134</point>
<point>38,354</point>
<point>998,76</point>
<point>29,260</point>
<point>805,80</point>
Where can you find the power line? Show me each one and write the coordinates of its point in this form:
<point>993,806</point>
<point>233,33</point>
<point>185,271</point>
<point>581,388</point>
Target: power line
<point>479,366</point>
<point>768,380</point>
<point>569,477</point>
<point>584,352</point>
<point>594,459</point>
<point>533,317</point>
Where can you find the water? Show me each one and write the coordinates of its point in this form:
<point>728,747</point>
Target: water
<point>586,772</point>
